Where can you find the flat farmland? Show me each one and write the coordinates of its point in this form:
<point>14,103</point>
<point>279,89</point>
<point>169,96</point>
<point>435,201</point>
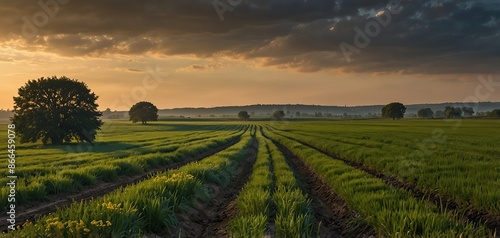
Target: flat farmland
<point>360,178</point>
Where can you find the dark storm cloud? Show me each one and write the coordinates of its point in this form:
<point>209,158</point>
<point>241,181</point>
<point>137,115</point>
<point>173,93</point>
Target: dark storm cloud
<point>424,37</point>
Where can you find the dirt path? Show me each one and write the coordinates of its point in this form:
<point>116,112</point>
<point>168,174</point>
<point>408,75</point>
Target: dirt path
<point>210,219</point>
<point>492,221</point>
<point>330,209</point>
<point>32,212</point>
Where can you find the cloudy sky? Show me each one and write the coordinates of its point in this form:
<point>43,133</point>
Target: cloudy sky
<point>178,53</point>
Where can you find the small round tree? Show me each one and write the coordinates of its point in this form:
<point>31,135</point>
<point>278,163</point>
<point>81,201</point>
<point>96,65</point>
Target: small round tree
<point>56,110</point>
<point>425,113</point>
<point>143,112</point>
<point>243,115</point>
<point>394,110</point>
<point>279,114</point>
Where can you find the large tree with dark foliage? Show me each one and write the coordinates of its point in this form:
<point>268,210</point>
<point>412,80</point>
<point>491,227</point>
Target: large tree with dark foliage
<point>394,110</point>
<point>56,110</point>
<point>143,112</point>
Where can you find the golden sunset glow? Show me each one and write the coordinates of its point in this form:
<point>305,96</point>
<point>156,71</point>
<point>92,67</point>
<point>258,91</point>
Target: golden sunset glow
<point>255,55</point>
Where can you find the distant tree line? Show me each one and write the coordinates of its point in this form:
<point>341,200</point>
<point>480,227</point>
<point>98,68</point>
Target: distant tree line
<point>456,112</point>
<point>491,114</point>
<point>108,114</point>
<point>397,110</point>
<point>393,111</point>
<point>449,112</point>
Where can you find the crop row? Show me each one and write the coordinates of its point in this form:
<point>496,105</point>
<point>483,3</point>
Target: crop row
<point>122,141</point>
<point>392,211</point>
<point>148,206</point>
<point>69,157</point>
<point>454,165</point>
<point>272,183</point>
<point>37,184</point>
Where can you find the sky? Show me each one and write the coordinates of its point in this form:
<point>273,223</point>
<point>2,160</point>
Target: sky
<point>199,53</point>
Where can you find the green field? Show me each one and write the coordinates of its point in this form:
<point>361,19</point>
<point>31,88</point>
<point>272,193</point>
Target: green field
<point>402,178</point>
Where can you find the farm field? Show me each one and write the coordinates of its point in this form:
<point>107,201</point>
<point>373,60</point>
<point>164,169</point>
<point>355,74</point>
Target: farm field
<point>379,178</point>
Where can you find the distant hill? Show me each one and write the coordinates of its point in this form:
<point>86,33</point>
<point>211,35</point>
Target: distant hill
<point>268,109</point>
<point>5,114</point>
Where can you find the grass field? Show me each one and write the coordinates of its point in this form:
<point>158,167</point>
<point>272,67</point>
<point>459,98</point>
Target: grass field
<point>403,178</point>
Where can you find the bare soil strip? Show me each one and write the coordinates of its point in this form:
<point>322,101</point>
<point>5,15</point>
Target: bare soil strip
<point>492,221</point>
<point>329,208</point>
<point>32,212</point>
<point>210,219</point>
